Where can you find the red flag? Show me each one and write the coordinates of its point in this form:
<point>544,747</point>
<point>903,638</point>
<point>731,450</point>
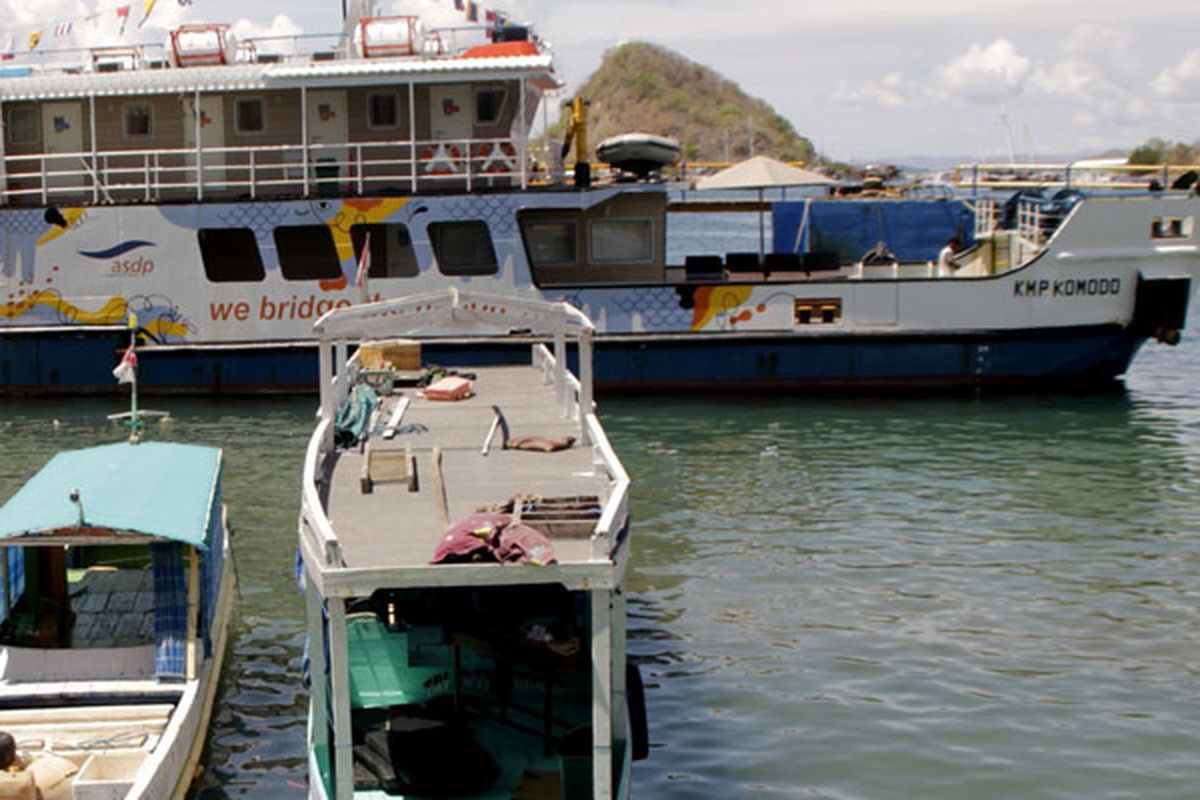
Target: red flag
<point>364,266</point>
<point>125,372</point>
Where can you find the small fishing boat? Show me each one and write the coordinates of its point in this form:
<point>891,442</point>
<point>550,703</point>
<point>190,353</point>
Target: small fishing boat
<point>463,548</point>
<point>115,598</point>
<point>639,153</point>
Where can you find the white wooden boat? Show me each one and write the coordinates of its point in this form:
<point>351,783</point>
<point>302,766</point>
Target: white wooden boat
<point>469,677</point>
<point>115,595</point>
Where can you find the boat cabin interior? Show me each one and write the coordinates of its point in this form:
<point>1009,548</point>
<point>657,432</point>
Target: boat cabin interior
<point>389,108</point>
<point>466,691</point>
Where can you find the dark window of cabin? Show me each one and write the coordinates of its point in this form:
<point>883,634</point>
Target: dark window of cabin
<point>138,119</point>
<point>488,105</point>
<point>383,110</point>
<point>621,240</point>
<point>463,248</point>
<point>392,254</point>
<point>230,255</point>
<point>550,243</point>
<point>249,115</point>
<point>23,125</point>
<point>307,253</point>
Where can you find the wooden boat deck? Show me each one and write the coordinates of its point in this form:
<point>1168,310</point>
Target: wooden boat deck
<point>395,527</point>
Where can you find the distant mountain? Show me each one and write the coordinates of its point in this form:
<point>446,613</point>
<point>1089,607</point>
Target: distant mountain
<point>646,88</point>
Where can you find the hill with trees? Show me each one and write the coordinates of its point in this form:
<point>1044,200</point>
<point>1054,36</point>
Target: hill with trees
<point>1158,151</point>
<point>647,88</point>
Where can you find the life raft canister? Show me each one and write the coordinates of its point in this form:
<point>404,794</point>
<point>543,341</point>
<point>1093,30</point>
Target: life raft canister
<point>496,158</point>
<point>441,160</point>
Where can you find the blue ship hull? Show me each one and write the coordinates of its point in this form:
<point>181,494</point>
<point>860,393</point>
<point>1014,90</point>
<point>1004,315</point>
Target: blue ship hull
<point>72,363</point>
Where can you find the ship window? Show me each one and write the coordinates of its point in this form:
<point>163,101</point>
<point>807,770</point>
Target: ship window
<point>139,119</point>
<point>550,243</point>
<point>463,248</point>
<point>1171,228</point>
<point>382,110</point>
<point>249,115</point>
<point>230,255</point>
<point>307,253</point>
<point>621,240</point>
<point>488,105</point>
<point>23,125</point>
<point>392,254</point>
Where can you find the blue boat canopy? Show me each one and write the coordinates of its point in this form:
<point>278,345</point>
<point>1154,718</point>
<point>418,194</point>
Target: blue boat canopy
<point>158,489</point>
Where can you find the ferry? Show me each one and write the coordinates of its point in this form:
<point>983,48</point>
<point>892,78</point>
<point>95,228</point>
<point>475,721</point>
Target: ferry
<point>464,539</point>
<point>228,191</point>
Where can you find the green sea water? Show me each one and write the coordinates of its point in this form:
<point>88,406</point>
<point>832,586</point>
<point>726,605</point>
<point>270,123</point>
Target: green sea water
<point>981,598</point>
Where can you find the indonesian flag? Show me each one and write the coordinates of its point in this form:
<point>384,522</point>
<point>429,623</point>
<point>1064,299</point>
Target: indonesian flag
<point>364,266</point>
<point>126,371</point>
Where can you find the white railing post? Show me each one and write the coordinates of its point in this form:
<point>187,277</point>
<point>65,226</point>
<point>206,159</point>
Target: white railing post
<point>522,139</point>
<point>412,135</point>
<point>253,177</point>
<point>197,125</point>
<point>358,166</point>
<point>92,133</point>
<point>304,160</point>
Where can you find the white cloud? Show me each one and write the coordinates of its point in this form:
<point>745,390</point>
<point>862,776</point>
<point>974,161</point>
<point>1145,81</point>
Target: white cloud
<point>1180,82</point>
<point>984,74</point>
<point>890,93</point>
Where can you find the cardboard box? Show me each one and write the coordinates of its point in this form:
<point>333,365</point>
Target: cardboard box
<point>403,355</point>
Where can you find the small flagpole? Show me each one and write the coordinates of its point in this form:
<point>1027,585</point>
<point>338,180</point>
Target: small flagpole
<point>134,422</point>
<point>362,273</point>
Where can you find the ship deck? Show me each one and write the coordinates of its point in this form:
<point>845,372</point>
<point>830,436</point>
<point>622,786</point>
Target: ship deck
<point>399,524</point>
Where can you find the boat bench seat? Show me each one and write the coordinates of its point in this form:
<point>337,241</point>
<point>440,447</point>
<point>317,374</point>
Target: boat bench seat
<point>703,268</point>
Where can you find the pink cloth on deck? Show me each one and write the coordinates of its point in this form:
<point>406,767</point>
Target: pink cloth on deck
<point>491,537</point>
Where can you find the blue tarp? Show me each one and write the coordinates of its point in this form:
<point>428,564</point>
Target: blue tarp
<point>914,230</point>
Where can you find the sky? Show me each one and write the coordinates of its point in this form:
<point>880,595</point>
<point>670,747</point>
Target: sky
<point>865,80</point>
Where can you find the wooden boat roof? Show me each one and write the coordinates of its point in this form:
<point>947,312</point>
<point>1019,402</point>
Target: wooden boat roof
<point>162,490</point>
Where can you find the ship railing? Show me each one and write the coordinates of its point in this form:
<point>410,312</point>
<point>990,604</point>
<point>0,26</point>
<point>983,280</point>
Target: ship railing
<point>331,169</point>
<point>1088,174</point>
<point>1028,231</point>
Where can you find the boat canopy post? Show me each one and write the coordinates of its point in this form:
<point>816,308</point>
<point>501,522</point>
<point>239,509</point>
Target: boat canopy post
<point>341,359</point>
<point>585,382</point>
<point>339,675</point>
<point>317,674</point>
<point>193,605</point>
<point>325,369</point>
<point>602,753</point>
<point>560,368</point>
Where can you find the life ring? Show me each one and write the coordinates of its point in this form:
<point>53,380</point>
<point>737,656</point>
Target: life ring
<point>441,160</point>
<point>496,159</point>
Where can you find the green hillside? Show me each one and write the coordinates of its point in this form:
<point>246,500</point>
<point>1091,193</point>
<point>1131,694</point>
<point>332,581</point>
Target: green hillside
<point>644,87</point>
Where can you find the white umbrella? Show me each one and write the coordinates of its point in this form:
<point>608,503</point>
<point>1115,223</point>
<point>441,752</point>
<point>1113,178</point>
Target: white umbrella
<point>762,172</point>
